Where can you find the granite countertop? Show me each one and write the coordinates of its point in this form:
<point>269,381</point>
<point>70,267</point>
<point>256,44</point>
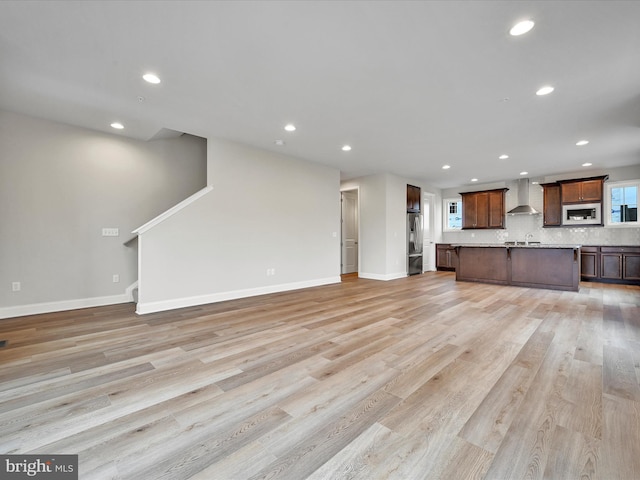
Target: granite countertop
<point>519,245</point>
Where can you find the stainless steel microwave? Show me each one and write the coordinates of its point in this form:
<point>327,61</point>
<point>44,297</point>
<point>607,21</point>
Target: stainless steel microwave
<point>582,214</point>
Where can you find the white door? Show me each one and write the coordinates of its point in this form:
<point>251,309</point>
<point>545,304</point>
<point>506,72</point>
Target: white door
<point>349,231</point>
<point>429,247</point>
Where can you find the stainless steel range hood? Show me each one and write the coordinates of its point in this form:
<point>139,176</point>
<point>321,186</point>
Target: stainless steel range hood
<point>523,207</point>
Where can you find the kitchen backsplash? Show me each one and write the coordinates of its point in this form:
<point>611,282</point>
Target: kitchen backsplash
<point>519,225</point>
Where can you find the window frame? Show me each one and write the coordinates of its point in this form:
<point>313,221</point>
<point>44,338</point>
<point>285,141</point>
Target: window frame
<point>606,204</point>
<point>445,214</point>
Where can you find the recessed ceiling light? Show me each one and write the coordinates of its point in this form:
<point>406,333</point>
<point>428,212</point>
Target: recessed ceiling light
<point>290,127</point>
<point>280,143</point>
<point>474,179</point>
<point>151,78</point>
<point>524,173</point>
<point>503,157</point>
<point>446,167</point>
<point>521,28</point>
<point>346,148</point>
<point>587,164</point>
<point>582,142</point>
<point>117,125</point>
<point>546,90</point>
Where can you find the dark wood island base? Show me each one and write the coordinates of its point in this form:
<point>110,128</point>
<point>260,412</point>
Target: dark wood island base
<point>539,266</point>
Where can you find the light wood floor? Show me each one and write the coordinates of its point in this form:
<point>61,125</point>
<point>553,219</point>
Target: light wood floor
<point>417,378</point>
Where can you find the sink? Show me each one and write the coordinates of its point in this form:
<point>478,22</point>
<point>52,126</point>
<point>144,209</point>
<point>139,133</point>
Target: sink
<point>522,243</point>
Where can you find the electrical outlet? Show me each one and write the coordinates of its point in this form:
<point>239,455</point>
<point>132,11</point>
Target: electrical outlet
<point>116,278</point>
<point>110,232</point>
<point>16,287</point>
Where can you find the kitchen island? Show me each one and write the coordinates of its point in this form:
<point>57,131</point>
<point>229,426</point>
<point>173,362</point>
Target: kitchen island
<point>534,265</point>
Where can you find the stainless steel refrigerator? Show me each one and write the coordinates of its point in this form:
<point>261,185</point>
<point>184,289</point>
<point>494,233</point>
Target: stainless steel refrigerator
<point>414,243</point>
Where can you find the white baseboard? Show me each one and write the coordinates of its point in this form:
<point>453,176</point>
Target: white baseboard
<point>385,278</point>
<point>59,306</point>
<point>163,305</point>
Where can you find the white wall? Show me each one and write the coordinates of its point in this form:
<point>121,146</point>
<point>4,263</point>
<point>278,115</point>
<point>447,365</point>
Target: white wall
<point>383,216</point>
<point>266,211</point>
<point>59,186</point>
<point>519,225</point>
<point>396,231</point>
<point>373,208</point>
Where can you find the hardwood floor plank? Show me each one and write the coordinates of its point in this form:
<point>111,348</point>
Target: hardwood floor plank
<point>489,423</point>
<point>619,375</point>
<point>465,461</point>
<point>240,464</point>
<point>581,410</point>
<point>62,386</point>
<point>153,433</point>
<point>524,451</point>
<point>311,452</point>
<point>195,449</point>
<point>572,455</point>
<point>590,339</point>
<point>274,365</point>
<point>620,439</point>
<point>417,373</point>
<point>98,438</point>
<point>354,460</point>
<point>322,403</point>
<point>234,406</point>
<point>356,355</point>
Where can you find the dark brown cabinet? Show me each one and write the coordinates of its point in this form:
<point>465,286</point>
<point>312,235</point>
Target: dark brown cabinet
<point>446,258</point>
<point>483,209</point>
<point>631,266</point>
<point>611,264</point>
<point>620,263</point>
<point>496,209</point>
<point>569,192</point>
<point>584,190</point>
<point>552,205</point>
<point>475,210</point>
<point>413,199</point>
<point>589,262</point>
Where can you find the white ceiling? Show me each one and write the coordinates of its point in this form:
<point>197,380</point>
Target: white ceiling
<point>409,85</point>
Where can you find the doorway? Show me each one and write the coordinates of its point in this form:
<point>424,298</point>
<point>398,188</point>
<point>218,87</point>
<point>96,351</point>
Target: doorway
<point>349,250</point>
<point>428,246</point>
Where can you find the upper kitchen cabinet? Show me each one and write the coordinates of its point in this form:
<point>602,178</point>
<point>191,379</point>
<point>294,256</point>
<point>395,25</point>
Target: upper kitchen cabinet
<point>552,205</point>
<point>584,190</point>
<point>413,199</point>
<point>483,210</point>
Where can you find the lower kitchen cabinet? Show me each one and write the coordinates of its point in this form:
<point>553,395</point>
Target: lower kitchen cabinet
<point>611,264</point>
<point>589,262</point>
<point>446,258</point>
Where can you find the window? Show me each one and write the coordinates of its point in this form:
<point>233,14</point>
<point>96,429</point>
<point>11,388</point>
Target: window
<point>621,203</point>
<point>452,214</point>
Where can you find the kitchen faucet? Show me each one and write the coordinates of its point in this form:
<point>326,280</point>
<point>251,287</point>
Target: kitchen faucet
<point>528,237</point>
